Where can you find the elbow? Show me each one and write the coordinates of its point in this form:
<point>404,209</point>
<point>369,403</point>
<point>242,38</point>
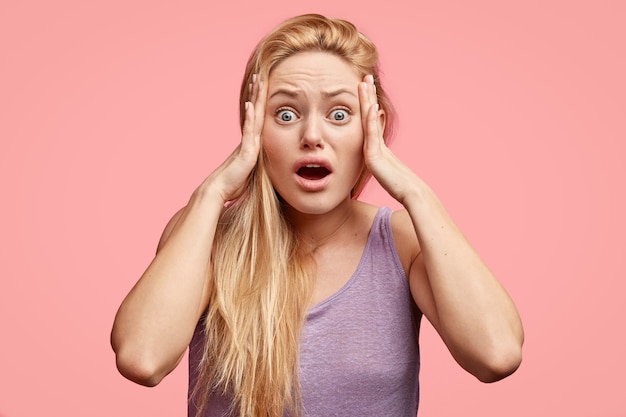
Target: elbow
<point>499,364</point>
<point>145,363</point>
<point>138,368</point>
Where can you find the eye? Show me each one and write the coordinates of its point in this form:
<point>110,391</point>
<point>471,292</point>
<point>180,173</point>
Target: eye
<point>339,115</point>
<point>285,115</point>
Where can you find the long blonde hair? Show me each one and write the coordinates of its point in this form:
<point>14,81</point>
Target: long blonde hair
<point>263,272</point>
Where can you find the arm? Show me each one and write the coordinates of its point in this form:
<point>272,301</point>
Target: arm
<point>451,285</point>
<point>156,320</point>
<point>459,295</point>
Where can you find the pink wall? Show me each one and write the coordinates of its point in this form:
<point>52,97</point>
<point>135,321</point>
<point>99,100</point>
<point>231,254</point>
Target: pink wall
<point>110,116</point>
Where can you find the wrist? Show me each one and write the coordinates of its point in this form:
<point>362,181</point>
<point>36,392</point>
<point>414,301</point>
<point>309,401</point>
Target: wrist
<point>208,193</point>
<point>420,197</point>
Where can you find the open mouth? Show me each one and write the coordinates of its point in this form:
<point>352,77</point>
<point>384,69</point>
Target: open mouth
<point>313,172</point>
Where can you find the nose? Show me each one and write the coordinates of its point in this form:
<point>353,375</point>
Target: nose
<point>312,134</point>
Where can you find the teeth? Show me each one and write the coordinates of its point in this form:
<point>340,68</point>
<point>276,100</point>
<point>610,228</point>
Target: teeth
<point>313,166</point>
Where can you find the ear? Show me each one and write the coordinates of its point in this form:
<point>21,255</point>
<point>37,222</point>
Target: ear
<point>382,120</point>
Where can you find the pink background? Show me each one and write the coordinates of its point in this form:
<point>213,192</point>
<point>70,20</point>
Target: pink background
<point>111,114</point>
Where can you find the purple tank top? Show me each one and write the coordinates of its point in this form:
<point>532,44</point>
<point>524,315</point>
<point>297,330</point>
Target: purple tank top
<point>359,353</point>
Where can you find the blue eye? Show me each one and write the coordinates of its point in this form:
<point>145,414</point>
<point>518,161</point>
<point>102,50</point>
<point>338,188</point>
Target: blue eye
<point>339,115</point>
<point>286,115</point>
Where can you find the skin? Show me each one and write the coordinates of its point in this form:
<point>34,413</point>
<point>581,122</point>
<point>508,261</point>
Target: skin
<point>319,94</point>
<point>293,118</point>
<point>320,125</point>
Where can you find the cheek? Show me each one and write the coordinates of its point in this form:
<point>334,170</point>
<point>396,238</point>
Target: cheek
<point>273,154</point>
<point>353,160</point>
<point>357,152</point>
<point>275,136</point>
<point>271,159</point>
<point>355,147</point>
<point>270,140</point>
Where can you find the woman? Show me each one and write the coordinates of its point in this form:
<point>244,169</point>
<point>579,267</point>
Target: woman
<point>294,297</point>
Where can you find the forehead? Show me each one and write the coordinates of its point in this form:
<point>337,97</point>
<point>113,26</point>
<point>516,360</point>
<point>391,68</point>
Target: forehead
<point>321,69</point>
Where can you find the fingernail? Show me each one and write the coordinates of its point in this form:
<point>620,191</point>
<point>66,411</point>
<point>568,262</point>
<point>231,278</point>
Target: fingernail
<point>372,79</point>
<point>247,105</point>
<point>253,78</point>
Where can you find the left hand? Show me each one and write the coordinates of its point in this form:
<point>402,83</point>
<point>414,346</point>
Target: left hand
<point>389,171</point>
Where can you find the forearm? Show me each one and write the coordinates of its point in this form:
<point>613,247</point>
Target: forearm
<point>477,319</point>
<point>155,322</point>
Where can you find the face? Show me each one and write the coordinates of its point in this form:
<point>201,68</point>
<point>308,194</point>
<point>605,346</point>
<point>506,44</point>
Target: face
<point>312,133</point>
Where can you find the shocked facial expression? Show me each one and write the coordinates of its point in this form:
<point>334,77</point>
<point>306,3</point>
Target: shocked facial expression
<point>312,133</point>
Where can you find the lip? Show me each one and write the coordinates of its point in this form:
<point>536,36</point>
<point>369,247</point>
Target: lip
<point>312,161</point>
<point>308,184</point>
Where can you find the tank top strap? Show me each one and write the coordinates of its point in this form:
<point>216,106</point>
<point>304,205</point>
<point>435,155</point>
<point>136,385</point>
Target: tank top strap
<point>382,244</point>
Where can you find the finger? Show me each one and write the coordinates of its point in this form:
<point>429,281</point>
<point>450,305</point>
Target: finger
<point>367,96</point>
<point>372,132</point>
<point>259,106</point>
<point>247,132</point>
<point>364,103</point>
<point>369,106</point>
<point>248,125</point>
<point>373,96</point>
<point>370,80</point>
<point>253,89</point>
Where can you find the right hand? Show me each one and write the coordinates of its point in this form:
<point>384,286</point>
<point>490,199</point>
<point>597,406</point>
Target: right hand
<point>230,178</point>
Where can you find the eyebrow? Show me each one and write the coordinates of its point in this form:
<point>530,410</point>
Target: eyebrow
<point>335,93</point>
<point>325,94</point>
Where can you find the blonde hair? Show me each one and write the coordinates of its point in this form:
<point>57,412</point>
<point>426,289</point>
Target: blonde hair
<point>263,271</point>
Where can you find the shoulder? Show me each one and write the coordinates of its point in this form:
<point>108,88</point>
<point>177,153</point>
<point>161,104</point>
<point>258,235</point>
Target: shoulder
<point>404,236</point>
<point>364,214</point>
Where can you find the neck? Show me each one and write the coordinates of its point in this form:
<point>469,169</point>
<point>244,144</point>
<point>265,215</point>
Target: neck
<point>320,229</point>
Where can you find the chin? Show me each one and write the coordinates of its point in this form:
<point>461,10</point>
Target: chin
<point>312,204</point>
